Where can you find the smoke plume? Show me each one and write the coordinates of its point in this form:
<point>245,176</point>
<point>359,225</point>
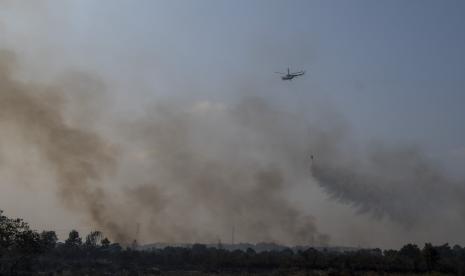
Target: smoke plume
<point>400,183</point>
<point>192,172</point>
<point>79,158</point>
<point>186,173</point>
<point>210,164</point>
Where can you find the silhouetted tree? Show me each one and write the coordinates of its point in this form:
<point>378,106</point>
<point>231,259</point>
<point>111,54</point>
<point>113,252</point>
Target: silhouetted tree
<point>9,230</point>
<point>250,251</point>
<point>20,246</point>
<point>93,239</point>
<point>105,243</point>
<point>413,255</point>
<point>431,256</point>
<point>18,243</point>
<point>48,240</point>
<point>73,239</point>
<point>27,242</point>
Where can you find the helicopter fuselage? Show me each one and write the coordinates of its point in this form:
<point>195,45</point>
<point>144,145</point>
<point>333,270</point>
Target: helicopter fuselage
<point>288,77</point>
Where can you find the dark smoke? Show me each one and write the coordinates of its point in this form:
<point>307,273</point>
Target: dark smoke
<point>191,172</point>
<point>79,158</point>
<point>188,173</point>
<point>400,183</point>
<point>212,168</point>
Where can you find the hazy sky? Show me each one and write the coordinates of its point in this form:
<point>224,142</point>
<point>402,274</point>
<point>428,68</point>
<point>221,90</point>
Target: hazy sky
<point>393,69</point>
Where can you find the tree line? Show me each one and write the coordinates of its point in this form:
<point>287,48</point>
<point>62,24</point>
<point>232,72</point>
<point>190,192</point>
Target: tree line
<point>23,251</point>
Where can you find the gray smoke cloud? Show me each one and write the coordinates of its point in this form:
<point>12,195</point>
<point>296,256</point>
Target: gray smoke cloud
<point>193,171</point>
<point>398,182</point>
<point>80,158</point>
<point>210,164</point>
<point>188,172</point>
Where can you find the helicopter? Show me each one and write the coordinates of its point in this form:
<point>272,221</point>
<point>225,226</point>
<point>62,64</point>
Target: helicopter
<point>289,75</point>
